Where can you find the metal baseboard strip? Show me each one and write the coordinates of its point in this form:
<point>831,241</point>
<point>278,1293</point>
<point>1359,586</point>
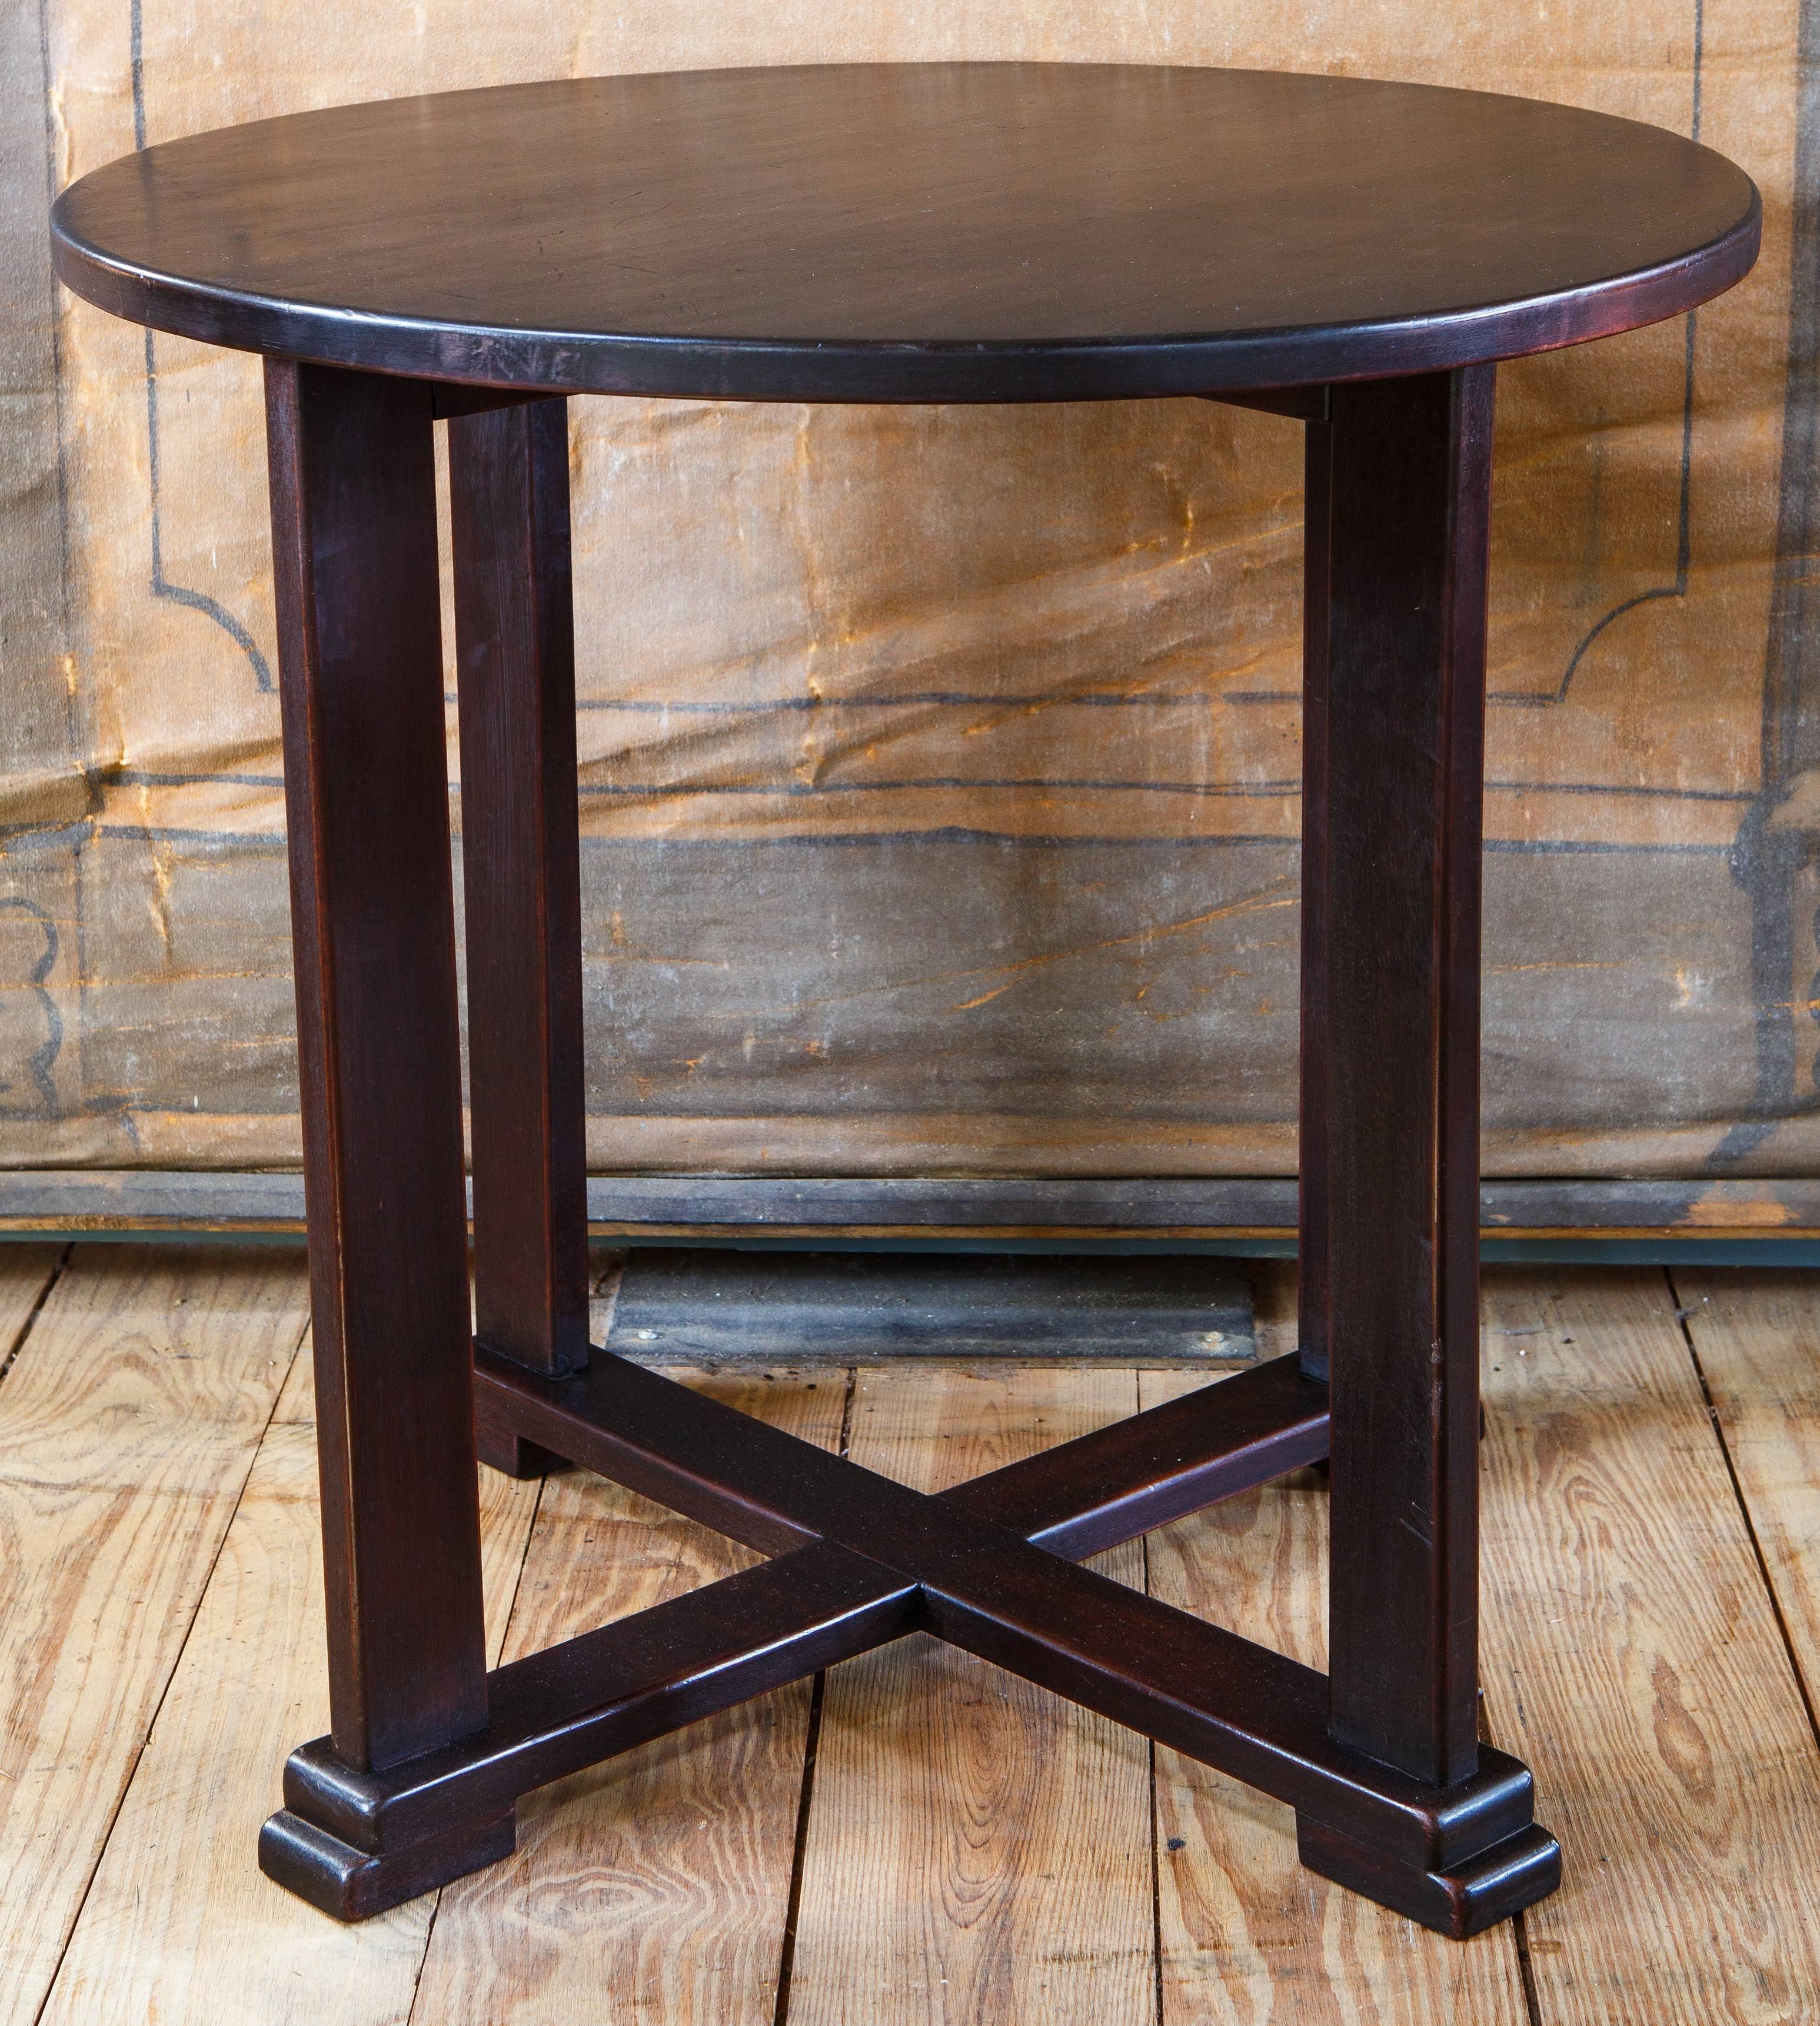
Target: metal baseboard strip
<point>1774,1217</point>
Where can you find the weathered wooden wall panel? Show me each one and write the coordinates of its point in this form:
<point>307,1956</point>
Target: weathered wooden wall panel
<point>939,767</point>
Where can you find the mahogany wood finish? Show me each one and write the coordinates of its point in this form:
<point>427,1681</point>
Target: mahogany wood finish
<point>860,1560</point>
<point>354,552</point>
<point>1395,1001</point>
<point>1348,255</point>
<point>1153,1467</point>
<point>914,232</point>
<point>521,861</point>
<point>1312,1278</point>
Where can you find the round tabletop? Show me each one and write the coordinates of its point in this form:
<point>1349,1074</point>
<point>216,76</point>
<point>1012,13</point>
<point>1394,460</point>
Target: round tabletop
<point>914,232</point>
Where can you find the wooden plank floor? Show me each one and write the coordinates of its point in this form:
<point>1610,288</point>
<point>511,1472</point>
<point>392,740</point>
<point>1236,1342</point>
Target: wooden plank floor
<point>919,1838</point>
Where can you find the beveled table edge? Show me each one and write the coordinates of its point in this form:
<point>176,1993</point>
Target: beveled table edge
<point>559,362</point>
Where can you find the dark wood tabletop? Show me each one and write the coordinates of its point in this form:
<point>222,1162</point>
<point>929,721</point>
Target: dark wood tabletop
<point>914,232</point>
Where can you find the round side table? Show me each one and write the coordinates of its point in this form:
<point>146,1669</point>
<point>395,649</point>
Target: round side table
<point>1355,254</point>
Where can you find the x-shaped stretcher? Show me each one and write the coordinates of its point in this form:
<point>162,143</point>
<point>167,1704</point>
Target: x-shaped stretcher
<point>857,1560</point>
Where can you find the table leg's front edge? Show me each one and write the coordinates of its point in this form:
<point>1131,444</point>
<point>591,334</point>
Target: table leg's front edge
<point>354,552</point>
<point>1398,494</point>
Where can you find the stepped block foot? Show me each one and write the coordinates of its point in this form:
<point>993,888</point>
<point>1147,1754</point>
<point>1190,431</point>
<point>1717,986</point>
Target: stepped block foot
<point>353,1884</point>
<point>1478,1893</point>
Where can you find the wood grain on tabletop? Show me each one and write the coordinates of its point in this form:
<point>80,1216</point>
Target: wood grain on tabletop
<point>977,1849</point>
<point>1632,1658</point>
<point>655,1885</point>
<point>914,231</point>
<point>1247,1935</point>
<point>128,1423</point>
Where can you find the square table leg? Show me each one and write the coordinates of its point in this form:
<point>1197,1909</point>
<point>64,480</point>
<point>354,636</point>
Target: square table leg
<point>1398,494</point>
<point>355,550</point>
<point>520,868</point>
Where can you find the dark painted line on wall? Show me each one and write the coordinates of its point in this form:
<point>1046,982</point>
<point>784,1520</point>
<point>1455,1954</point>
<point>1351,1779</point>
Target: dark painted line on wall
<point>272,842</point>
<point>162,587</point>
<point>1683,539</point>
<point>1766,861</point>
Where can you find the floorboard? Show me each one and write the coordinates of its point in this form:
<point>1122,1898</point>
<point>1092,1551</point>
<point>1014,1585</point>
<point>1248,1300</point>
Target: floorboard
<point>977,1850</point>
<point>653,1888</point>
<point>180,1926</point>
<point>1631,1655</point>
<point>26,1274</point>
<point>1246,1935</point>
<point>1757,1335</point>
<point>973,1850</point>
<point>129,1420</point>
